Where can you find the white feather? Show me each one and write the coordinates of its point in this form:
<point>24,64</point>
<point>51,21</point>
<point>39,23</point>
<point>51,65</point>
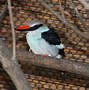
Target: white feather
<point>61,46</point>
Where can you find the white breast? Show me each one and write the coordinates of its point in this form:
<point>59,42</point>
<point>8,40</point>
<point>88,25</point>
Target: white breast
<point>39,45</point>
<point>33,42</point>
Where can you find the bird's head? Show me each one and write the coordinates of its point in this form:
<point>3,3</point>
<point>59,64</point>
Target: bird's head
<point>30,26</point>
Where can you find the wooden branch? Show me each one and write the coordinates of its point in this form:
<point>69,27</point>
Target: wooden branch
<point>78,14</point>
<point>12,68</point>
<point>62,11</point>
<point>12,28</point>
<point>64,21</point>
<point>85,3</point>
<point>53,63</point>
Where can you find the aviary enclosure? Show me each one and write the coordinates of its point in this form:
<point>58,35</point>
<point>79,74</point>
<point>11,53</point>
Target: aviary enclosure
<point>70,19</point>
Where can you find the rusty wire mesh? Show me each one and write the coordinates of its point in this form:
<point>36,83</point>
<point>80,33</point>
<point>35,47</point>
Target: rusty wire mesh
<point>76,46</point>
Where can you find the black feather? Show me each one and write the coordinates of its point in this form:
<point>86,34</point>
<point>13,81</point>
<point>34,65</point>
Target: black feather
<point>51,37</point>
<point>61,52</point>
<point>35,27</point>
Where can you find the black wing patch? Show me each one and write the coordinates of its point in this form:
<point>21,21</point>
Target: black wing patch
<point>61,52</point>
<point>51,37</point>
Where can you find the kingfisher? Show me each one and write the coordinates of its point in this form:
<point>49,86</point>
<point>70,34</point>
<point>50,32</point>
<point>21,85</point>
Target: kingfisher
<point>43,40</point>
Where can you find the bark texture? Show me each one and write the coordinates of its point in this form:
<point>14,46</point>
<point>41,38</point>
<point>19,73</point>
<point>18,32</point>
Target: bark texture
<point>53,63</point>
<point>12,68</point>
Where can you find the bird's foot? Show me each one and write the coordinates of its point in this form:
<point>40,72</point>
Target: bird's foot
<point>44,55</point>
<point>35,55</point>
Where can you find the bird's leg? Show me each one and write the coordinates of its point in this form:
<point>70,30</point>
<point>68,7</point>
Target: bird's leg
<point>35,55</point>
<point>45,55</point>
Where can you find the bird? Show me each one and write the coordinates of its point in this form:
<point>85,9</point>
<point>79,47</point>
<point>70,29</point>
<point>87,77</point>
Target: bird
<point>43,40</point>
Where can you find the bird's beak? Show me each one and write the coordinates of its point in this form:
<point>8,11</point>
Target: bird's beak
<point>23,28</point>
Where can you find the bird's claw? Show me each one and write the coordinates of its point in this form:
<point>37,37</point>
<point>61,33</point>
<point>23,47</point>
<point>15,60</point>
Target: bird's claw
<point>44,56</point>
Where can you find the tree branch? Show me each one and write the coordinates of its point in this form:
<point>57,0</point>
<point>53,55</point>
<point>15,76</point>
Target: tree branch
<point>64,21</point>
<point>79,16</point>
<point>13,30</point>
<point>12,68</point>
<point>10,64</point>
<point>85,3</point>
<point>62,11</point>
<point>53,63</point>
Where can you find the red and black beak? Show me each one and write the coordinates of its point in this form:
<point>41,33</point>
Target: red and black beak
<point>23,28</point>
